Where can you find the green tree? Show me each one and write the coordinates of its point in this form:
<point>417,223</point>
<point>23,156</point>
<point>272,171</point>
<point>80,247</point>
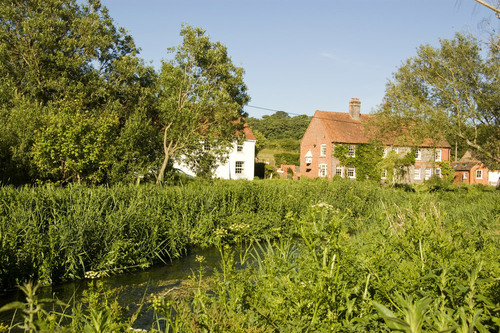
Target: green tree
<point>71,145</point>
<point>61,59</point>
<point>451,92</point>
<point>201,99</point>
<point>281,126</point>
<point>261,141</point>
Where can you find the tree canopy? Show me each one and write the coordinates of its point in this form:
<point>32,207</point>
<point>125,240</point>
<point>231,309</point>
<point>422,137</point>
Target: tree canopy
<point>201,99</point>
<point>449,92</point>
<point>78,104</point>
<point>281,126</point>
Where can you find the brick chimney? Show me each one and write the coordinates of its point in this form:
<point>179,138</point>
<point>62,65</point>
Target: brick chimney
<point>355,108</point>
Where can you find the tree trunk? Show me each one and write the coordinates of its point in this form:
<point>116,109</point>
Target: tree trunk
<point>166,150</point>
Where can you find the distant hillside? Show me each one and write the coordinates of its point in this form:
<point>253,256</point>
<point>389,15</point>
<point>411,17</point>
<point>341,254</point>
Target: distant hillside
<point>280,126</point>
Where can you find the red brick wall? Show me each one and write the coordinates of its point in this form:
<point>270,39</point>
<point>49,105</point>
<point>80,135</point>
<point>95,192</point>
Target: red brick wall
<point>313,138</point>
<point>475,180</point>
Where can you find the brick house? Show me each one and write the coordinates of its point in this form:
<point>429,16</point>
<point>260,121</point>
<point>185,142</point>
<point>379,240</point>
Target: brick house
<point>469,170</point>
<point>329,128</point>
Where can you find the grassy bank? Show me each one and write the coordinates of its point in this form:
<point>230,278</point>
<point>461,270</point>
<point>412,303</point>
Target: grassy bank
<point>364,251</point>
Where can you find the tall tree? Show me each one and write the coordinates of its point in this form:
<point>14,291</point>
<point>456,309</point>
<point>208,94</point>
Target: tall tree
<point>201,99</point>
<point>62,60</point>
<point>450,92</point>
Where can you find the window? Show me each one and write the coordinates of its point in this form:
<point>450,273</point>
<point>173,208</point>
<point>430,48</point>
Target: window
<point>239,167</point>
<point>339,171</point>
<point>206,147</point>
<point>322,170</point>
<point>418,154</point>
<point>416,173</point>
<point>428,173</point>
<point>438,172</point>
<point>352,151</point>
<point>465,175</point>
<point>479,174</point>
<point>309,157</point>
<point>384,174</point>
<point>323,150</point>
<point>239,148</point>
<point>437,157</point>
<point>395,149</point>
<point>351,172</point>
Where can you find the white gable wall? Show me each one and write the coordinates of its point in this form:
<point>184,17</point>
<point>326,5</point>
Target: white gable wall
<point>228,169</point>
<point>246,155</point>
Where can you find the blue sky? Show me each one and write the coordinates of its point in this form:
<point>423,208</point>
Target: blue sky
<point>305,55</point>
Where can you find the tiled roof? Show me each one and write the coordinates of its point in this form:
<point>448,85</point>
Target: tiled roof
<point>464,165</point>
<point>248,132</point>
<point>340,127</point>
<point>467,162</point>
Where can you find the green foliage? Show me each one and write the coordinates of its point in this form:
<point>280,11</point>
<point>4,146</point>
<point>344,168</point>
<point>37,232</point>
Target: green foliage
<point>447,172</point>
<point>287,158</point>
<point>70,82</point>
<point>366,160</point>
<point>397,165</point>
<point>280,126</point>
<point>201,99</point>
<point>326,255</point>
<point>450,92</point>
<point>261,142</point>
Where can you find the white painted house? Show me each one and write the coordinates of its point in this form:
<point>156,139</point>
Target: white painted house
<point>240,163</point>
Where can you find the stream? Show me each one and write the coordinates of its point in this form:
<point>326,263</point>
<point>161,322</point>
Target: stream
<point>131,286</point>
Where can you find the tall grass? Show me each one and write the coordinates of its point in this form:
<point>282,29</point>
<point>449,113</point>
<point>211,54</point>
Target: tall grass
<point>364,258</point>
<point>50,234</point>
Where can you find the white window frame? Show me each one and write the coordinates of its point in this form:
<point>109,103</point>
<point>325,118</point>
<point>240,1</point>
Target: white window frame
<point>322,170</point>
<point>239,166</point>
<point>479,174</point>
<point>341,169</point>
<point>437,155</point>
<point>351,151</point>
<point>465,175</point>
<point>351,172</point>
<point>239,148</point>
<point>428,173</point>
<point>438,172</point>
<point>309,160</point>
<point>395,149</point>
<point>418,154</point>
<point>322,152</point>
<point>206,146</point>
<point>384,174</point>
<point>417,173</point>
